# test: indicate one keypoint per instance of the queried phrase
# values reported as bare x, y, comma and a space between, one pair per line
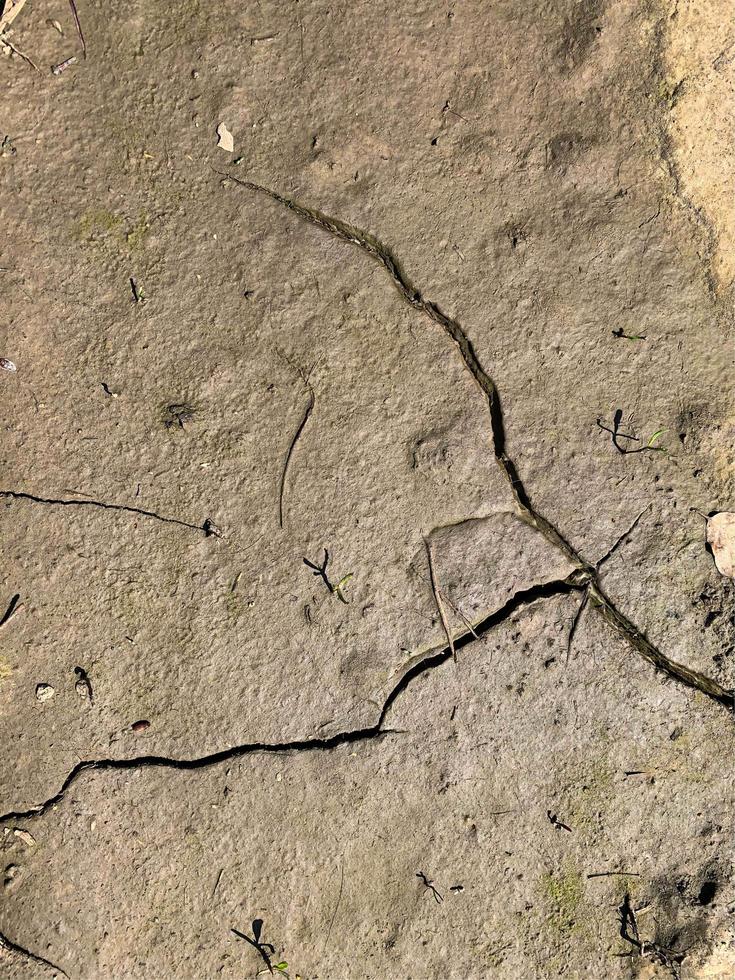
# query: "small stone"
140, 726
44, 692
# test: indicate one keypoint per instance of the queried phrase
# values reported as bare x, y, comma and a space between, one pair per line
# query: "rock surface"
491, 244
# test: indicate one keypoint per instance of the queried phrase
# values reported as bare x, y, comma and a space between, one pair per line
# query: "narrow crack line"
586, 572
378, 251
376, 731
34, 957
685, 675
623, 537
20, 495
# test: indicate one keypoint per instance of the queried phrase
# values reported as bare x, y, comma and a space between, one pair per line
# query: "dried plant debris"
10, 11
721, 539
178, 414
225, 140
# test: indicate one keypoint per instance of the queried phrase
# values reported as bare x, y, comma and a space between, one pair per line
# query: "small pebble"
7, 365
44, 692
140, 726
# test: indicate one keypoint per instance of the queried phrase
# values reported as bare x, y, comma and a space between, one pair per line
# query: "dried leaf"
721, 538
224, 138
28, 839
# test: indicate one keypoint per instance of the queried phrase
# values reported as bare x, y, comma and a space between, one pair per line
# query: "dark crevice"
368, 733
33, 957
374, 248
207, 528
621, 539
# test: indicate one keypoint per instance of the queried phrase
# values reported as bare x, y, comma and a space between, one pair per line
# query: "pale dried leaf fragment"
721, 538
10, 11
28, 839
225, 139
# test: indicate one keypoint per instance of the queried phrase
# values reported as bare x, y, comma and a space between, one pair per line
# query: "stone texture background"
549, 173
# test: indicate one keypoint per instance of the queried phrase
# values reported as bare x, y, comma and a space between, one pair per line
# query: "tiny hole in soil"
707, 892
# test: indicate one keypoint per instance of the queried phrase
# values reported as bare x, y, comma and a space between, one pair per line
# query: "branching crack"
586, 572
207, 528
375, 731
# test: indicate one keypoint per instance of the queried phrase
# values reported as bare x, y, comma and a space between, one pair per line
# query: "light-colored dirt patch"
700, 63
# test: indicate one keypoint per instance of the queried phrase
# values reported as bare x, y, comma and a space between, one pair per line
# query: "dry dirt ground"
463, 233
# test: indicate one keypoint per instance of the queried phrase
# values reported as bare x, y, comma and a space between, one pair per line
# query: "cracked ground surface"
449, 212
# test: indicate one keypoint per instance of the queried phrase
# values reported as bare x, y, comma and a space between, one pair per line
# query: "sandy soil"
453, 246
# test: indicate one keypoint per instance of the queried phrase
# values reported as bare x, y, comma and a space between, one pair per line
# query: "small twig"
137, 295
560, 825
321, 572
617, 434
73, 6
459, 614
627, 921
255, 942
430, 885
336, 908
575, 622
437, 598
263, 37
25, 57
609, 874
216, 884
292, 446
13, 607
10, 11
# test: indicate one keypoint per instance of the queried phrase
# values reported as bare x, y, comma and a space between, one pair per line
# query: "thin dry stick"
20, 54
73, 6
437, 598
575, 621
336, 908
297, 434
10, 12
12, 609
459, 614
